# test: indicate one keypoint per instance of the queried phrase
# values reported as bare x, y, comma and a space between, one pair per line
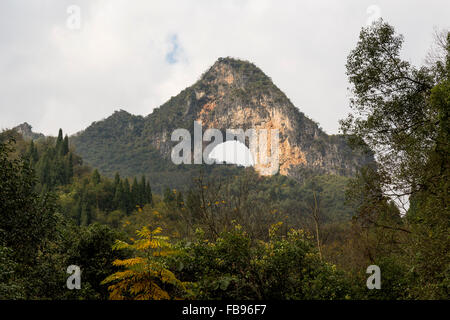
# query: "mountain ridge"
232, 93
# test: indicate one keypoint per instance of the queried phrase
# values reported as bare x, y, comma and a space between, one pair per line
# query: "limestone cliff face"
25, 130
237, 94
232, 94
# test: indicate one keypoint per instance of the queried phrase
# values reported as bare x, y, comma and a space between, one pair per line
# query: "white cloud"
52, 76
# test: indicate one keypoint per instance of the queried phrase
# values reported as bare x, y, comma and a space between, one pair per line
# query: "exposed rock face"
243, 97
236, 94
231, 94
25, 130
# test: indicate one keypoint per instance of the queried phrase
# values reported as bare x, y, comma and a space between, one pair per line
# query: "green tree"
148, 193
69, 168
401, 112
27, 220
65, 145
59, 142
86, 214
32, 152
116, 179
235, 267
93, 253
135, 194
95, 177
127, 197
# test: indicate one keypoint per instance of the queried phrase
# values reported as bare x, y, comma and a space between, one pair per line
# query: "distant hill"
231, 94
25, 130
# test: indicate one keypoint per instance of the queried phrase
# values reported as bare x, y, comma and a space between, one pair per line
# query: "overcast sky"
58, 71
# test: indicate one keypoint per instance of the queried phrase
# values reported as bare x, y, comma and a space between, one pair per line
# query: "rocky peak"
231, 94
25, 130
234, 73
237, 94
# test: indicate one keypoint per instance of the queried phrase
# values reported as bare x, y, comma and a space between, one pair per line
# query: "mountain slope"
231, 94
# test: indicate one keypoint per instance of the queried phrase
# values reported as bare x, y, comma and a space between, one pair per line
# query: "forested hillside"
80, 200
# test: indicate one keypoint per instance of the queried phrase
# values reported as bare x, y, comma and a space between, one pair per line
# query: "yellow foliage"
273, 230
128, 262
144, 277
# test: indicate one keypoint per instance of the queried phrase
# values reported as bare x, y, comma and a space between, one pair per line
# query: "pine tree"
128, 201
118, 201
142, 191
43, 171
69, 168
116, 180
148, 194
32, 153
78, 212
95, 177
135, 194
59, 142
60, 172
65, 145
86, 214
